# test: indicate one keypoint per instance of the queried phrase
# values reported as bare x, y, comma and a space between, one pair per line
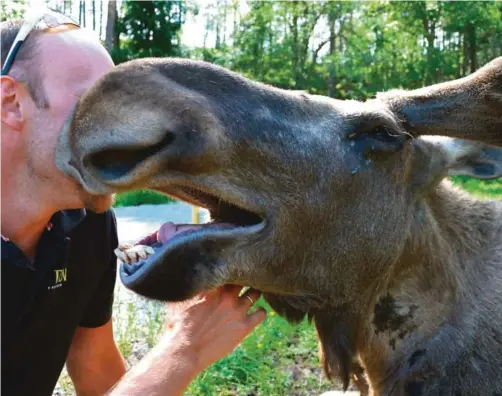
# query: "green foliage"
12, 9
140, 197
355, 49
149, 29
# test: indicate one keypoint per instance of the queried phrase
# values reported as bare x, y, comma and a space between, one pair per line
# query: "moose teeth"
127, 253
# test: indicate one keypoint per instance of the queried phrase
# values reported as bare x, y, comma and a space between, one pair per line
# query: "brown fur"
400, 272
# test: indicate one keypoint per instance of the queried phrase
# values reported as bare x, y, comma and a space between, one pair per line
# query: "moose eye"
384, 135
379, 140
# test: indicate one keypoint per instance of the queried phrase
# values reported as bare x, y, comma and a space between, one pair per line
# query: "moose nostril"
114, 163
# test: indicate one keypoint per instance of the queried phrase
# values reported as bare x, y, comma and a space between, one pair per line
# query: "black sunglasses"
52, 19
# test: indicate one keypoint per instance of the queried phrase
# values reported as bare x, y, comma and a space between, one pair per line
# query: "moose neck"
425, 292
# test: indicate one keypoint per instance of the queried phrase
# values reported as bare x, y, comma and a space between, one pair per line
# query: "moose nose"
113, 163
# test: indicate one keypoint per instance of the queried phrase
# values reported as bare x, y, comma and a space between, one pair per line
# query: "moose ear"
467, 158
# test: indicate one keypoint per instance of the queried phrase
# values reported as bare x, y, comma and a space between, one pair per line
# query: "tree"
93, 15
100, 18
13, 10
111, 41
149, 29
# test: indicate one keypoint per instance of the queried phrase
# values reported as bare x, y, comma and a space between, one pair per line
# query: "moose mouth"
185, 245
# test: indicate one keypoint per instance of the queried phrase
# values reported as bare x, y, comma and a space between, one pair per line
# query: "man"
58, 266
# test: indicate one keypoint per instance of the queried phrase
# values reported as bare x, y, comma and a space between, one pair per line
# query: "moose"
338, 211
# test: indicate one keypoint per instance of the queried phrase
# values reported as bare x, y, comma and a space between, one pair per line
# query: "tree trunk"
115, 30
459, 50
500, 38
295, 59
100, 19
93, 15
332, 51
235, 6
110, 42
465, 60
472, 47
307, 30
225, 7
206, 32
430, 35
218, 22
430, 57
83, 12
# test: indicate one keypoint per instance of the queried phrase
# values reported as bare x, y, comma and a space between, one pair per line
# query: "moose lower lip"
193, 245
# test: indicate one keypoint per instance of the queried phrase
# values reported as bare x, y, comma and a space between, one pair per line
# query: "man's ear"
457, 157
11, 107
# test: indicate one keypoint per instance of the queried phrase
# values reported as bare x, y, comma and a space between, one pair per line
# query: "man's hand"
199, 332
212, 324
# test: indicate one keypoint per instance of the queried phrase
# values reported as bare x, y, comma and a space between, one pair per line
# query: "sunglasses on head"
51, 19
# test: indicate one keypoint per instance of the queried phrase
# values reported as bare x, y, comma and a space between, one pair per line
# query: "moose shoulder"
332, 208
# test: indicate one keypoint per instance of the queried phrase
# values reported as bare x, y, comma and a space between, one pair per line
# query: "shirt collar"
67, 220
64, 220
57, 230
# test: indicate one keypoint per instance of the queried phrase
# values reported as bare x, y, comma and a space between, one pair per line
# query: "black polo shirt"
70, 284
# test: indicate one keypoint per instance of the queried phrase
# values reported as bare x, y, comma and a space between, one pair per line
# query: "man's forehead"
74, 55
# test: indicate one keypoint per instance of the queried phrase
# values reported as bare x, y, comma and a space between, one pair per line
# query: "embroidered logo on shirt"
60, 277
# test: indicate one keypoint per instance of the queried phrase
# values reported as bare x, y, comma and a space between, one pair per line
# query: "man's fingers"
250, 296
256, 318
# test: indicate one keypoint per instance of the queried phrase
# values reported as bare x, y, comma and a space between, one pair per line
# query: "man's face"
71, 62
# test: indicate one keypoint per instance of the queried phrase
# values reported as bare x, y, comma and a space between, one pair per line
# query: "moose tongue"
169, 230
